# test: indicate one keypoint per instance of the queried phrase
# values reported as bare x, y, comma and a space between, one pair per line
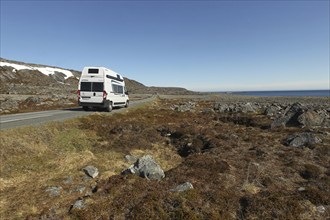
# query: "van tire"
109, 107
86, 108
127, 102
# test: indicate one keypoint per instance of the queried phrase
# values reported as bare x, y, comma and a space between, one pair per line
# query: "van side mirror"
126, 92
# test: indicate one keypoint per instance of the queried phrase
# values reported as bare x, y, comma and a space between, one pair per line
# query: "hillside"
22, 78
30, 87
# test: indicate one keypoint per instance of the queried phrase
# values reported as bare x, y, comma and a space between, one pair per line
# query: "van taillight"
78, 93
105, 94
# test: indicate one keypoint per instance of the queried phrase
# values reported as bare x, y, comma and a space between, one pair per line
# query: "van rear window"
97, 87
93, 71
86, 86
91, 86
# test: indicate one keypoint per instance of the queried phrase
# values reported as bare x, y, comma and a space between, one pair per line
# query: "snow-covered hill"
48, 71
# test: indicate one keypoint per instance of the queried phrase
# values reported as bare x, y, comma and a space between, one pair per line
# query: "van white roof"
106, 70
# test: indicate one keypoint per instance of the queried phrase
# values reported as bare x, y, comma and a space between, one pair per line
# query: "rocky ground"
191, 157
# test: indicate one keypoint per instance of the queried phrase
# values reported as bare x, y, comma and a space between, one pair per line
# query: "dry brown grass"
238, 167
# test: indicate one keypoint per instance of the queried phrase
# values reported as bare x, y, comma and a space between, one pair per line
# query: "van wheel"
85, 108
109, 107
127, 102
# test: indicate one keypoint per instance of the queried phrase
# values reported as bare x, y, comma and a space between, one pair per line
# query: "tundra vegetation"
238, 165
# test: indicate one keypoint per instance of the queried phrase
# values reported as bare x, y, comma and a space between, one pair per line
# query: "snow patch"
44, 70
16, 66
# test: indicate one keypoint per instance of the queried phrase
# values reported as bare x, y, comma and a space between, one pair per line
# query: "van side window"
120, 89
117, 89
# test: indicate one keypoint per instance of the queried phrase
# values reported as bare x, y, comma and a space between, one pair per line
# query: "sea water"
322, 93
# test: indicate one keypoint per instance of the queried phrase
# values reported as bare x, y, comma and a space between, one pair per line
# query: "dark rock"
303, 139
146, 167
54, 190
310, 119
183, 187
91, 171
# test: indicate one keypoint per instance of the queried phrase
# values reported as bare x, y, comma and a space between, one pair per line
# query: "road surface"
34, 118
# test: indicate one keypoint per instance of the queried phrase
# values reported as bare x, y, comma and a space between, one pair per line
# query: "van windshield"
91, 86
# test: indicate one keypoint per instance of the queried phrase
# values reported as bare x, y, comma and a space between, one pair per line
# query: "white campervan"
103, 88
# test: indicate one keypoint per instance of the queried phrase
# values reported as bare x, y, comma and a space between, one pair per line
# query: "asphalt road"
35, 118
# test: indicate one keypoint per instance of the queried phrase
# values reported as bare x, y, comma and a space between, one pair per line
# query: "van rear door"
91, 91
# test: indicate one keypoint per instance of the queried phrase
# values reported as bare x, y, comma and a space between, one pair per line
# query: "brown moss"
238, 169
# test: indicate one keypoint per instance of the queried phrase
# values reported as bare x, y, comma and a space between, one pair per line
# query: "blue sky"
199, 45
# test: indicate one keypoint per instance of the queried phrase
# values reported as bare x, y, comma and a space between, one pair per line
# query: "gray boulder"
303, 139
183, 187
146, 167
91, 171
